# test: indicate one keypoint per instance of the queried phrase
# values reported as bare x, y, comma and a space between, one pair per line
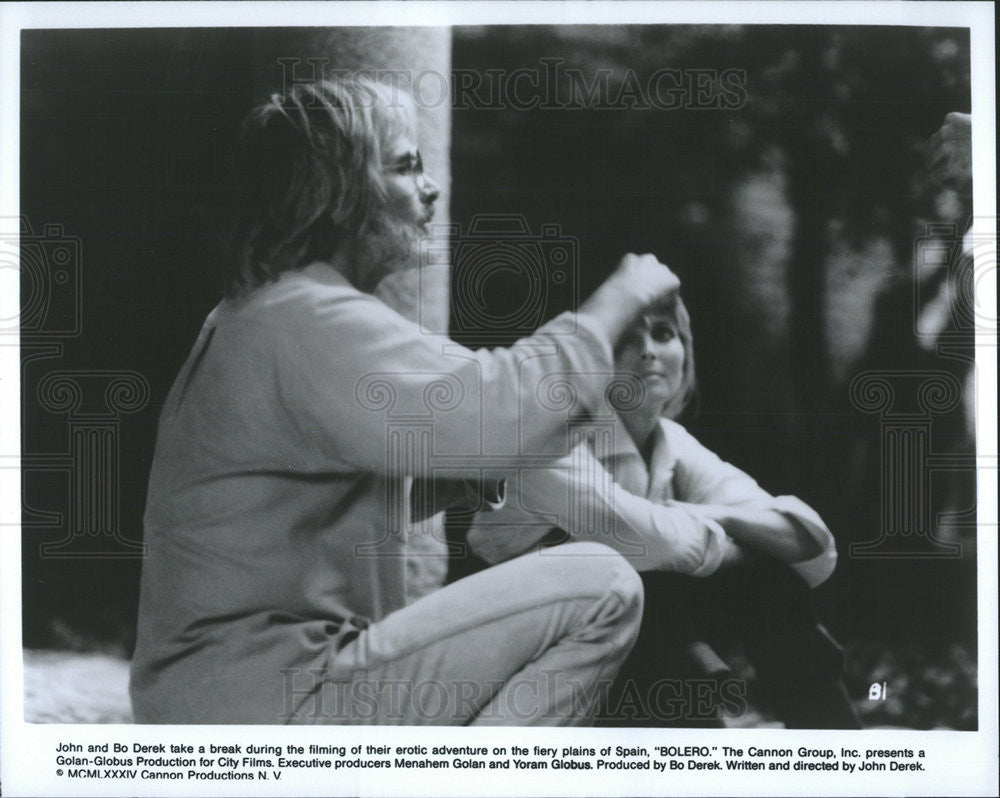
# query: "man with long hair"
285, 582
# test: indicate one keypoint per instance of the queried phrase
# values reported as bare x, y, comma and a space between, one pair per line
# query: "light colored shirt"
278, 503
604, 491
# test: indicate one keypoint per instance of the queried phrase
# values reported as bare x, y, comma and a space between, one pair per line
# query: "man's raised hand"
638, 282
645, 279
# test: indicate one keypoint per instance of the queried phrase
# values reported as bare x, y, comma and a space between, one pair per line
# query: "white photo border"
958, 762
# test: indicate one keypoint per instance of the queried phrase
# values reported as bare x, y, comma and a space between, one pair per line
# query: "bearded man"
281, 584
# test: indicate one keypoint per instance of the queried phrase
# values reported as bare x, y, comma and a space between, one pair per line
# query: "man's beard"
386, 246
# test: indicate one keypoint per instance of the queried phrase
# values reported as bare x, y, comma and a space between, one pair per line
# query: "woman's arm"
782, 527
580, 496
765, 530
577, 494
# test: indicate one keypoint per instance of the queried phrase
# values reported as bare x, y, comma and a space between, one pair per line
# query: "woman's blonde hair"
675, 308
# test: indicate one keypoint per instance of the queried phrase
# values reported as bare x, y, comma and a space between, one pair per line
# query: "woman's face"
653, 351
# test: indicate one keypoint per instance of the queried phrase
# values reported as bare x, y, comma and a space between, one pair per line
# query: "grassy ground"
925, 689
75, 687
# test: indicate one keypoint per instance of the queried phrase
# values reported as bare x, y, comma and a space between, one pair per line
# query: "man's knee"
602, 568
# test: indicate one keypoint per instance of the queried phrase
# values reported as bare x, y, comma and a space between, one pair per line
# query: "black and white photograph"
620, 377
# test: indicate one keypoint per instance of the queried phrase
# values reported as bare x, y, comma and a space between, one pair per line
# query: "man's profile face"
410, 192
392, 242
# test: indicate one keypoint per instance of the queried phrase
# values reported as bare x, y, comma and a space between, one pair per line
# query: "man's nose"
429, 190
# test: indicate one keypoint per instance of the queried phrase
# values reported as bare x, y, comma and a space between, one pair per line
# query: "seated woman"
640, 483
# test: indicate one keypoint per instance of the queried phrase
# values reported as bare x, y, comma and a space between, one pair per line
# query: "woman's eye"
662, 333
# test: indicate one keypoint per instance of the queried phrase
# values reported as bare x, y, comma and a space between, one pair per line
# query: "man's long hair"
309, 175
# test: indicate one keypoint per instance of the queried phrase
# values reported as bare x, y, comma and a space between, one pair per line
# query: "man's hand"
642, 280
949, 152
638, 282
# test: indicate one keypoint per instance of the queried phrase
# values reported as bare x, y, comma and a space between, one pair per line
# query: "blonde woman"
641, 484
